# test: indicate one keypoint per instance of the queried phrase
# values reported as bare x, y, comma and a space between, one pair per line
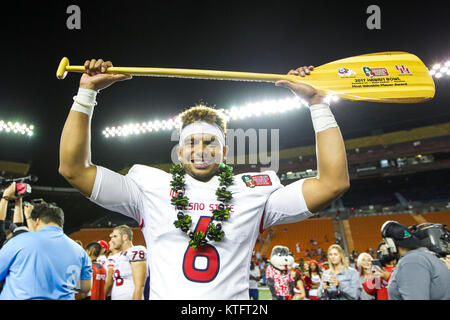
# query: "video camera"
22, 188
434, 236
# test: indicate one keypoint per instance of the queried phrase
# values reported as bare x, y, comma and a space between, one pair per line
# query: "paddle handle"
64, 67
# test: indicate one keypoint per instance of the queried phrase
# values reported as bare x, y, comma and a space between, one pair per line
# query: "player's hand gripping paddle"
394, 77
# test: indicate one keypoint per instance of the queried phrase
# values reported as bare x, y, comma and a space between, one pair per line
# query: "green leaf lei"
222, 213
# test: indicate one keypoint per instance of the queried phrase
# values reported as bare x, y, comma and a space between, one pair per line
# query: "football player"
103, 258
129, 270
97, 292
201, 251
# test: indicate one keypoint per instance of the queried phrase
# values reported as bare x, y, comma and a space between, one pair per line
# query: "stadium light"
256, 109
16, 128
440, 69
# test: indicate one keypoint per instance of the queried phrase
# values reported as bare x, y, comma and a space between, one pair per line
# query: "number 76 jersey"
217, 270
123, 285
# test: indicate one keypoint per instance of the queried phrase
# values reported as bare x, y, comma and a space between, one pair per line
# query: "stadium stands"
302, 232
366, 230
89, 235
438, 217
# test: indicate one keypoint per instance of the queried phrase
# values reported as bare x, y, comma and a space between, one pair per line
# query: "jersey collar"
213, 182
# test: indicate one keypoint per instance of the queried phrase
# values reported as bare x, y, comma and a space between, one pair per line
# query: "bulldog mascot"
278, 273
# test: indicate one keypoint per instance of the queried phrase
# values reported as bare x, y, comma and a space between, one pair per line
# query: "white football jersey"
123, 285
218, 270
111, 260
102, 260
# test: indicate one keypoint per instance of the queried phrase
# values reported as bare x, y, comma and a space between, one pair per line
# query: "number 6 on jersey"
206, 256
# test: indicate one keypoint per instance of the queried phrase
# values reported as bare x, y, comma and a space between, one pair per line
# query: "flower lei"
222, 213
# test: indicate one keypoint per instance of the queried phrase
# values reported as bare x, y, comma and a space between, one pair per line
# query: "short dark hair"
94, 248
48, 213
202, 112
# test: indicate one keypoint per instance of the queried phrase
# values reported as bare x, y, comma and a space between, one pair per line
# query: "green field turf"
264, 293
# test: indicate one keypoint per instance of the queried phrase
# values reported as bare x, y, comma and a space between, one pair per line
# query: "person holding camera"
382, 268
46, 264
365, 268
339, 282
18, 225
11, 229
419, 274
8, 194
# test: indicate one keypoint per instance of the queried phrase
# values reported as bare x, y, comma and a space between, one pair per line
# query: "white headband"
202, 127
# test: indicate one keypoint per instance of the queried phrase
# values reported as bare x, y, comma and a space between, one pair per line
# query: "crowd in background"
94, 270
331, 275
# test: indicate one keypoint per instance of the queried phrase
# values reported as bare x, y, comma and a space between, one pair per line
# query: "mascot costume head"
281, 258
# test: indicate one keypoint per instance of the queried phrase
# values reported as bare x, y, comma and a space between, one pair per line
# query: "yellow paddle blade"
394, 77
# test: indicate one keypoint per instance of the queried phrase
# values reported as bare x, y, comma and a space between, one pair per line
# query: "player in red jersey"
97, 292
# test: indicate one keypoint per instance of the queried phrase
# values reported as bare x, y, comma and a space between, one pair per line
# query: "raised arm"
8, 194
332, 180
18, 212
28, 209
75, 145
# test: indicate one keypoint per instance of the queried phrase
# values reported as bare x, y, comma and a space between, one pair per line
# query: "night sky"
266, 37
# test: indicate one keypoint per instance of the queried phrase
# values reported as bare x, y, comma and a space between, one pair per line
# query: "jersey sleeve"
109, 262
117, 193
286, 205
102, 260
137, 253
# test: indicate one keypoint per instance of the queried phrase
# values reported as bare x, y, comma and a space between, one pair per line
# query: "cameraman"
419, 274
377, 283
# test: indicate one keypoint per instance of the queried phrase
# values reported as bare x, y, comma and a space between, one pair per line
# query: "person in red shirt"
377, 283
99, 273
